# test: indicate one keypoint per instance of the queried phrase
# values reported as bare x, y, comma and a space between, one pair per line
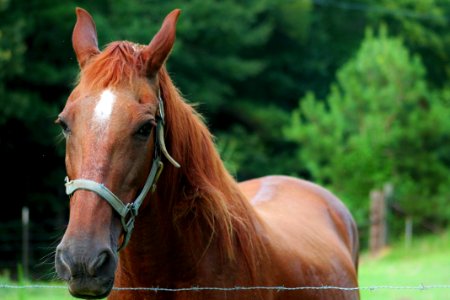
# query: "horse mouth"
90, 287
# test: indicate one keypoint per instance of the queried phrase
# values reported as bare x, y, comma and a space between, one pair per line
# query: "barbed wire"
245, 288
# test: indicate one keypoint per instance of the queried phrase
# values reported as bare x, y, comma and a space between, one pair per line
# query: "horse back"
310, 235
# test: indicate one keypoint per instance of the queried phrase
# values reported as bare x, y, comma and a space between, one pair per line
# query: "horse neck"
199, 212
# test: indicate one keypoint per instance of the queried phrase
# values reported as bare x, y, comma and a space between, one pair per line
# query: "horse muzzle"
89, 273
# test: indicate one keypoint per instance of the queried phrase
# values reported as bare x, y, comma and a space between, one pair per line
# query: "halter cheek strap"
129, 211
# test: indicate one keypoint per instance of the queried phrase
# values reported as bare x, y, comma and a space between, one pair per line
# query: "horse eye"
63, 125
145, 130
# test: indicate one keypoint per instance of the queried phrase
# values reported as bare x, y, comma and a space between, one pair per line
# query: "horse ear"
155, 54
84, 37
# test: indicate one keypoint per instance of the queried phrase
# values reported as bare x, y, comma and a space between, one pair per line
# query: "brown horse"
198, 227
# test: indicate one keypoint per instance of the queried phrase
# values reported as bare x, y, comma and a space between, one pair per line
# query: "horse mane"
210, 193
206, 194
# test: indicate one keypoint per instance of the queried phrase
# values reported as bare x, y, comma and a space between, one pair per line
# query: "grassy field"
427, 262
35, 293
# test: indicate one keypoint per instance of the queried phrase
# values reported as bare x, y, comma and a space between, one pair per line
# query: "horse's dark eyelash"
145, 129
63, 125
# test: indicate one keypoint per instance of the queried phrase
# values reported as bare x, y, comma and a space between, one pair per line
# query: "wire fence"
421, 287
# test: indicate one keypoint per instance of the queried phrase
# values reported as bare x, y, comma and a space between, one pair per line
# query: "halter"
129, 211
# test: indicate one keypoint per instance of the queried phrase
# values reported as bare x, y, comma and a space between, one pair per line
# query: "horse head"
112, 123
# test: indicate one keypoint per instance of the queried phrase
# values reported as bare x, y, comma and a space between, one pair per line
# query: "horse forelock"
120, 62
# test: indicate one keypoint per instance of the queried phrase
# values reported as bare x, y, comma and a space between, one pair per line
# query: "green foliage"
380, 123
11, 43
424, 27
11, 56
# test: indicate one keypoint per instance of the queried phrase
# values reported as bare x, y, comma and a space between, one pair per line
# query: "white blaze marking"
104, 107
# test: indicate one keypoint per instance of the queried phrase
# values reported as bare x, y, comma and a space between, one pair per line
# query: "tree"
296, 57
380, 123
423, 26
12, 48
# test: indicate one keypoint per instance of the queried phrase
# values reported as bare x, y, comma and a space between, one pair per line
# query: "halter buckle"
128, 218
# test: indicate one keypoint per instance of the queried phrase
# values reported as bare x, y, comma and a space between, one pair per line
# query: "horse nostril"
101, 264
62, 264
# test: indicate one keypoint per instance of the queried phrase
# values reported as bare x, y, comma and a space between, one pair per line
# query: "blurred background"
351, 94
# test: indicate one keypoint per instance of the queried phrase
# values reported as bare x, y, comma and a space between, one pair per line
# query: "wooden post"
408, 231
388, 190
25, 241
377, 238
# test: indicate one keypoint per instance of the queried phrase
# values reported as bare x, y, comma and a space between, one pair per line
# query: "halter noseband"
129, 211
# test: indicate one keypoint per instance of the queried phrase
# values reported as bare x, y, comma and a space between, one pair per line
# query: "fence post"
388, 190
377, 237
25, 241
408, 231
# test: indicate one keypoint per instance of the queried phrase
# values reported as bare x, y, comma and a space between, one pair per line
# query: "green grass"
427, 262
33, 293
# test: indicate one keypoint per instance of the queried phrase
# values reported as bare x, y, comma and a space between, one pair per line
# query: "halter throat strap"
129, 211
